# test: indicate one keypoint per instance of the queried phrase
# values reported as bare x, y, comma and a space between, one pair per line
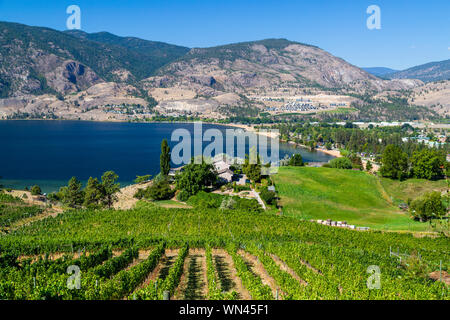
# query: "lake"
49, 153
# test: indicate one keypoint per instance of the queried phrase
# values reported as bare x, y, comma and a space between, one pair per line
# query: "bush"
36, 190
341, 163
296, 160
183, 195
206, 200
157, 191
268, 196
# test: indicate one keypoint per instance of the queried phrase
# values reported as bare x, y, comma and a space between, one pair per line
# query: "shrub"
268, 196
183, 195
36, 190
341, 163
296, 160
157, 191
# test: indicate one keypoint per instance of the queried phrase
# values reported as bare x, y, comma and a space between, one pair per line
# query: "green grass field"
346, 195
400, 191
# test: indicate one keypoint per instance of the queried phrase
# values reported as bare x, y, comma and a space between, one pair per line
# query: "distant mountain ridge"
379, 71
428, 72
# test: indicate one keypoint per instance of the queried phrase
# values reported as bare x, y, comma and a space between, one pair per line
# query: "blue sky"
412, 32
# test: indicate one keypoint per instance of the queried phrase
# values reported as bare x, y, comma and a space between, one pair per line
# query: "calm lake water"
49, 153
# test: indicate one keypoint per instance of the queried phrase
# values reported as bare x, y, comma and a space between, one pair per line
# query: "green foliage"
252, 167
205, 200
183, 195
369, 165
196, 177
36, 190
252, 282
394, 163
428, 164
165, 158
114, 265
296, 160
428, 206
268, 196
109, 188
341, 163
72, 195
159, 190
92, 194
142, 179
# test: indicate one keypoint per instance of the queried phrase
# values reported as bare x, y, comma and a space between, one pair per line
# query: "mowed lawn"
340, 195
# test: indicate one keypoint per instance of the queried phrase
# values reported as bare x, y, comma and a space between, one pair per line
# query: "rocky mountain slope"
261, 65
36, 60
73, 74
433, 71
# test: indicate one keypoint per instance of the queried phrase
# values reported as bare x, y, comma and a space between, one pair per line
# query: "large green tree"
109, 188
92, 193
196, 177
428, 164
428, 206
252, 167
72, 195
164, 159
394, 163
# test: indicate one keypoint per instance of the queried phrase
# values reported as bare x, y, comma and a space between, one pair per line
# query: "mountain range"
44, 69
428, 72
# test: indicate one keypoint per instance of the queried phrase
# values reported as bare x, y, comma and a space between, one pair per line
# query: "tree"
92, 194
252, 167
109, 188
296, 160
72, 195
369, 165
36, 190
164, 159
195, 177
394, 163
341, 163
427, 164
428, 206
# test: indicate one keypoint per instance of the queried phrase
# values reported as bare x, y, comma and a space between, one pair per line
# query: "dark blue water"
49, 153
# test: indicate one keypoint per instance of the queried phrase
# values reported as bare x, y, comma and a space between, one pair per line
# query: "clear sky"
412, 32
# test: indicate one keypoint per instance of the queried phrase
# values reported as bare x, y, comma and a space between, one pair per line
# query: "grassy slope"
400, 191
341, 195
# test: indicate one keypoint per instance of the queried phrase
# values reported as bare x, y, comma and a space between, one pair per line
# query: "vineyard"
154, 253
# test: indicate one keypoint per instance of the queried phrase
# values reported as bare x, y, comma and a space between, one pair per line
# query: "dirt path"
162, 268
143, 254
258, 269
229, 280
195, 283
283, 266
